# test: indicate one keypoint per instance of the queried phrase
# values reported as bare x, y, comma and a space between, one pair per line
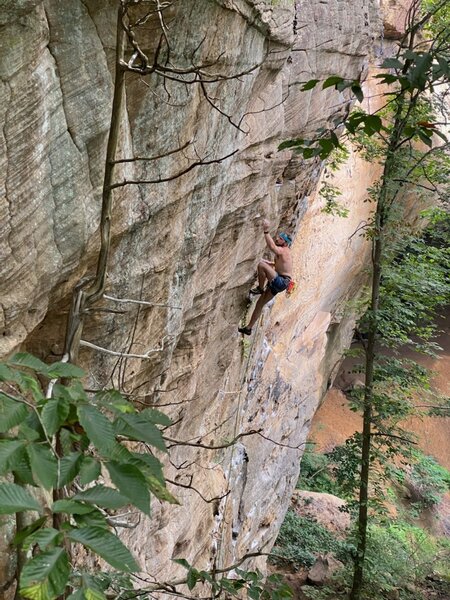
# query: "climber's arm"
269, 241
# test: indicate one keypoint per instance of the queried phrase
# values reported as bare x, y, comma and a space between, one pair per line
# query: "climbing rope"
243, 379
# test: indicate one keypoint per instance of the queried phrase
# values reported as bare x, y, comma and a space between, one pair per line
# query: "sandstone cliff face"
190, 244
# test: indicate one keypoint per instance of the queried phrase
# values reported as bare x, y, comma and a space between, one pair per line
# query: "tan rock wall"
191, 244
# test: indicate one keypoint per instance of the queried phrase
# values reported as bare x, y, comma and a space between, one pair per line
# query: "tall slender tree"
408, 129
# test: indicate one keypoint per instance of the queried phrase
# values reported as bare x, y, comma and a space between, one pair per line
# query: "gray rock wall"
190, 244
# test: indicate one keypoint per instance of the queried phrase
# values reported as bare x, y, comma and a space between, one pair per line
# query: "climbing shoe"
256, 291
245, 330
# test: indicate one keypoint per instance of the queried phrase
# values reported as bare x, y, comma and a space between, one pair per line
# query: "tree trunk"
367, 422
384, 205
83, 298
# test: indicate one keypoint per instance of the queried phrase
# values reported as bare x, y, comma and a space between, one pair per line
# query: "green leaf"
22, 535
28, 383
326, 148
92, 519
106, 545
22, 471
45, 537
11, 454
372, 124
334, 138
12, 413
74, 392
31, 429
441, 135
392, 63
67, 438
404, 83
44, 465
121, 454
93, 594
183, 562
444, 64
100, 582
45, 576
66, 370
14, 498
291, 144
7, 374
343, 85
103, 496
156, 416
191, 579
309, 85
310, 152
54, 414
114, 400
138, 428
98, 428
71, 507
152, 465
356, 89
131, 483
160, 491
23, 359
426, 139
90, 470
331, 81
410, 55
78, 595
205, 576
418, 75
386, 78
69, 467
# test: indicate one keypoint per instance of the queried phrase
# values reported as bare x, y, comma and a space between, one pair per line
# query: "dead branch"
263, 110
209, 100
170, 586
141, 302
174, 176
391, 435
189, 486
122, 354
111, 311
151, 158
280, 443
362, 225
174, 443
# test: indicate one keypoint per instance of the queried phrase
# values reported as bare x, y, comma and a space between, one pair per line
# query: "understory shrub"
428, 480
301, 538
399, 559
315, 472
328, 472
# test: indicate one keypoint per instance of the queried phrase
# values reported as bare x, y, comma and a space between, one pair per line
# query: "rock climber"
278, 274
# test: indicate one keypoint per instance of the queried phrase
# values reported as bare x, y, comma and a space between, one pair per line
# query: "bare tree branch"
171, 177
219, 447
141, 302
151, 158
122, 354
189, 486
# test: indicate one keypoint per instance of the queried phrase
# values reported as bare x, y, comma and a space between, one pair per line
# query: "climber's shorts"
279, 284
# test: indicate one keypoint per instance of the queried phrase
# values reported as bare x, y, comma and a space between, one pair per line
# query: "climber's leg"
265, 273
264, 299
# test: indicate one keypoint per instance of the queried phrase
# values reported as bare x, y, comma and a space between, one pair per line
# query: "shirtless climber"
278, 274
